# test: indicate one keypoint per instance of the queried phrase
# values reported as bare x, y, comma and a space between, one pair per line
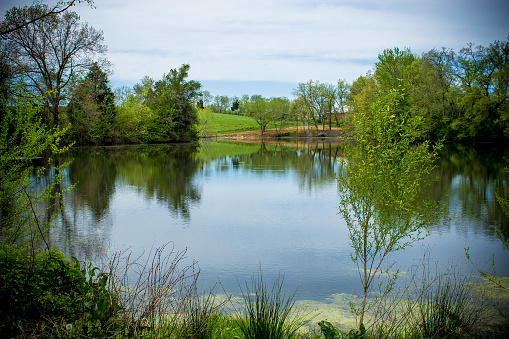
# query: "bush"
46, 294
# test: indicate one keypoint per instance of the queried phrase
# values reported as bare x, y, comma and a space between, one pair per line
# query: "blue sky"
267, 47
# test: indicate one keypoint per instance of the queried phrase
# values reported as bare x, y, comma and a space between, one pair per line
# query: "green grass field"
217, 123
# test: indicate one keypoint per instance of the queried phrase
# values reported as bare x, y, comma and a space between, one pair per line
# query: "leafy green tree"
299, 112
23, 139
342, 95
380, 187
315, 99
91, 110
258, 109
329, 92
243, 101
133, 121
47, 51
361, 99
221, 103
174, 105
206, 97
392, 67
145, 92
432, 92
279, 108
482, 72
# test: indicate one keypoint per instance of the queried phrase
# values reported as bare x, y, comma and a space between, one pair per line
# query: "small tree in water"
384, 173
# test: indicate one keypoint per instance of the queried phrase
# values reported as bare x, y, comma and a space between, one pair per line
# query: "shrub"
50, 295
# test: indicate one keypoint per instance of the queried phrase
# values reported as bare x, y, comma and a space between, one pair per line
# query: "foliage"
41, 292
331, 332
133, 122
258, 109
328, 330
50, 295
266, 111
91, 110
159, 111
174, 106
49, 51
460, 96
24, 214
313, 100
221, 104
320, 101
380, 186
280, 109
267, 313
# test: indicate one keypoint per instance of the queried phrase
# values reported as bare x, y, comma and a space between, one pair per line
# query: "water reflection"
161, 173
166, 174
93, 171
236, 205
470, 177
313, 162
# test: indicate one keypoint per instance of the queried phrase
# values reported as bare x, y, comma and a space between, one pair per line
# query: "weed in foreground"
154, 293
268, 313
448, 311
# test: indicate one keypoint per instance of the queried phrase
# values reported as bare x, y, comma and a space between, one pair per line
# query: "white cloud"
282, 40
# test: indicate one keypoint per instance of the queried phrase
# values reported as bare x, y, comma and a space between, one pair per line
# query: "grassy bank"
217, 123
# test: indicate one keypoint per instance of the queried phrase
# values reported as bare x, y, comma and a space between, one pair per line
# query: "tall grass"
431, 305
267, 313
448, 310
154, 292
202, 317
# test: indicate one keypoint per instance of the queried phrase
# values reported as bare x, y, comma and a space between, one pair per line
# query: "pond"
243, 206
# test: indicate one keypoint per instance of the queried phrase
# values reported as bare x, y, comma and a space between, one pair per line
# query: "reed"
267, 313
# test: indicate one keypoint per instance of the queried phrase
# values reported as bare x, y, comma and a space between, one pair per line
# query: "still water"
238, 207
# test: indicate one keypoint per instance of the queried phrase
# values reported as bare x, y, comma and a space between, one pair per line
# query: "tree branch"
57, 9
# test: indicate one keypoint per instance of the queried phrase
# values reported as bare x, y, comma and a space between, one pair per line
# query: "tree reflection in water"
177, 181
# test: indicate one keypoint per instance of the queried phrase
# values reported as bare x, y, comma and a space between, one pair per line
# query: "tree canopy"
461, 96
48, 51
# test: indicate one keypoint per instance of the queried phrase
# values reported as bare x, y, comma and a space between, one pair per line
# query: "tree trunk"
316, 124
365, 263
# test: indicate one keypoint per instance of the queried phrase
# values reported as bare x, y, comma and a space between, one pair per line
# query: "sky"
267, 47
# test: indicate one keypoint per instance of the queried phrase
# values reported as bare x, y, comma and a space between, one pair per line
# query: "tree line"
49, 54
59, 60
460, 96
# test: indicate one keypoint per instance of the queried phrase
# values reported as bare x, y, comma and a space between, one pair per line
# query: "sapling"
384, 172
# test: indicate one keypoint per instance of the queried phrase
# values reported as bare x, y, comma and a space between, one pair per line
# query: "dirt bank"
287, 132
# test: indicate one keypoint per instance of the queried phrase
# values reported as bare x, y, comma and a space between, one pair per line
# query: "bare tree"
59, 7
48, 50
